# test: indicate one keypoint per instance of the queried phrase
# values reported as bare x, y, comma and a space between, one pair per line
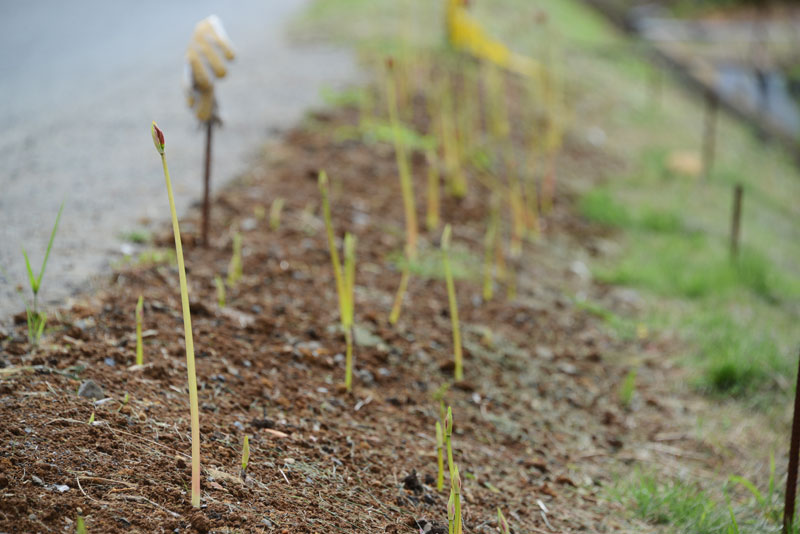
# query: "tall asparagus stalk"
158, 140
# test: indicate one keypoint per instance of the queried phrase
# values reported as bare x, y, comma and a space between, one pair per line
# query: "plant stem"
139, 348
440, 457
451, 296
432, 219
187, 329
401, 291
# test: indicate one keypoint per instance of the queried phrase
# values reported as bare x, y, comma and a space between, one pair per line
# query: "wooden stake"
736, 220
794, 451
207, 183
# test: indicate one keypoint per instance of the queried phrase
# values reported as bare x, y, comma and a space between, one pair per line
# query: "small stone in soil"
411, 482
90, 390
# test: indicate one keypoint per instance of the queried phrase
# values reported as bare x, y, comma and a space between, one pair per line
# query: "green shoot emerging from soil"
502, 524
80, 525
628, 388
347, 321
37, 319
455, 484
451, 296
451, 512
139, 348
235, 265
407, 187
440, 456
275, 213
220, 285
448, 433
245, 456
158, 140
344, 277
432, 217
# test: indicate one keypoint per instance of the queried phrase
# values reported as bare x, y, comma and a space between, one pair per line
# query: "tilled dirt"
539, 429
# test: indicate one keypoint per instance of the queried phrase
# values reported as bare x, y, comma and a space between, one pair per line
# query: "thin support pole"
794, 451
207, 183
736, 220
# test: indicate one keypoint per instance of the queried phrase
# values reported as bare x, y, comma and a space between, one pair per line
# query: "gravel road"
80, 83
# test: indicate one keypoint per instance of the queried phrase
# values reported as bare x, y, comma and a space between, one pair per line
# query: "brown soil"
538, 426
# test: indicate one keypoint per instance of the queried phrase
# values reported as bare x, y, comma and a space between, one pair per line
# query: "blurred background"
81, 83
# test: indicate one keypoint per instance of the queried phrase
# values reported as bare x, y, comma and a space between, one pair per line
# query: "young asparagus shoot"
628, 388
245, 456
37, 319
158, 140
502, 524
220, 285
275, 213
407, 188
139, 348
438, 396
432, 217
80, 525
451, 296
448, 433
235, 265
455, 483
124, 402
90, 422
440, 456
347, 320
451, 512
344, 277
489, 242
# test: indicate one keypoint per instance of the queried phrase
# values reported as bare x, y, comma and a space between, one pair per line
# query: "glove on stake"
204, 62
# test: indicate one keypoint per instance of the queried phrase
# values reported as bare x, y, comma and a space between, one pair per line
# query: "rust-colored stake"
710, 132
207, 183
794, 451
736, 221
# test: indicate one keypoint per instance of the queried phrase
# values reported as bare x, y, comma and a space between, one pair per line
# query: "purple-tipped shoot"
158, 141
502, 524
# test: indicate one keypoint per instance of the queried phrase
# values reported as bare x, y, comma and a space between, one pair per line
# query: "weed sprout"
158, 140
80, 525
37, 319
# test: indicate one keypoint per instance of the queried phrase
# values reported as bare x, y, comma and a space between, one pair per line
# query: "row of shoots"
158, 140
344, 275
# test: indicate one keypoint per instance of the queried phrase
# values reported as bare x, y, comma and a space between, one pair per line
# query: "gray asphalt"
80, 82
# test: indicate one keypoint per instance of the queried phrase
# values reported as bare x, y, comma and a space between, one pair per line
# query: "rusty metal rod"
207, 184
794, 451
